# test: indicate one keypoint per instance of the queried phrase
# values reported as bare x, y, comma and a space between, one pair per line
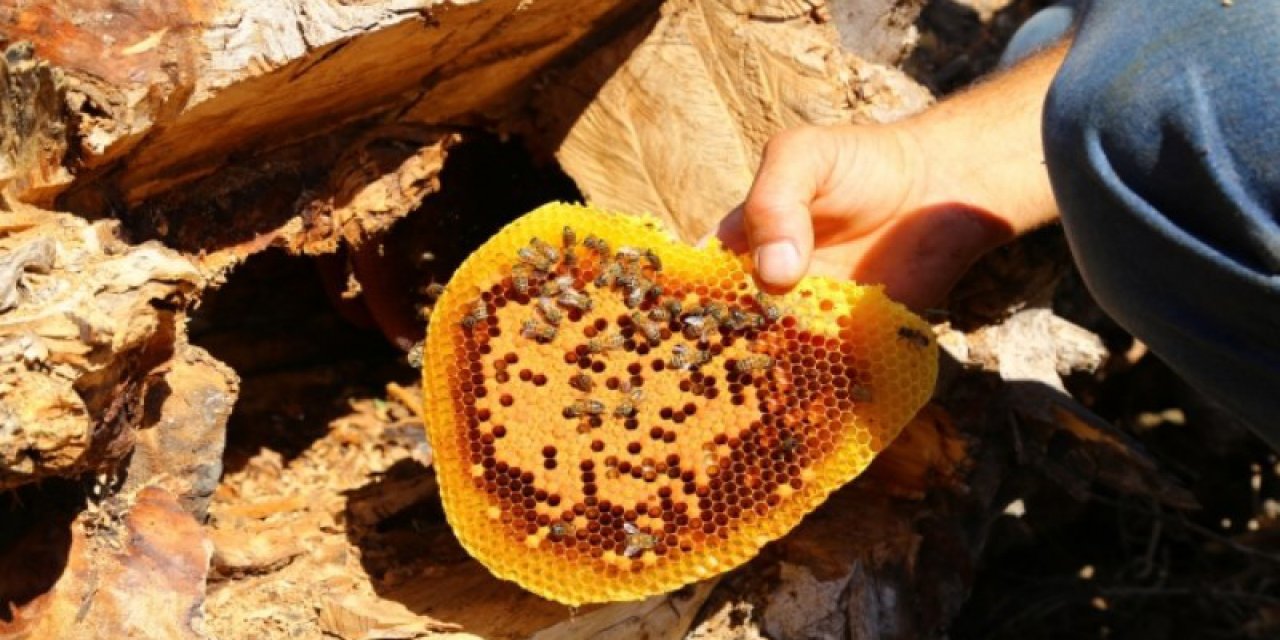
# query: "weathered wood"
135, 569
180, 88
180, 440
671, 118
123, 110
93, 321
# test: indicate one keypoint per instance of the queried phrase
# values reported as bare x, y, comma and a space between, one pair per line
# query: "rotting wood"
86, 338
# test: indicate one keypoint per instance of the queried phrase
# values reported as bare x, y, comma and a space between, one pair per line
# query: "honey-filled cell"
612, 411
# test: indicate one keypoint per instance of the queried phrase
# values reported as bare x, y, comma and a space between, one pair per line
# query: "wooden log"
119, 110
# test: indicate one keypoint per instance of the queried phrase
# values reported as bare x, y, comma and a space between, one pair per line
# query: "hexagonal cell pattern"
615, 414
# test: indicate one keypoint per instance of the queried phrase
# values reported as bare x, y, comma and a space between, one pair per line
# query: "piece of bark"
670, 119
353, 617
136, 569
252, 548
82, 345
309, 197
1031, 351
180, 441
34, 149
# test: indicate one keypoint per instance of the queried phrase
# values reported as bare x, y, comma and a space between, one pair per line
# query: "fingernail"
778, 263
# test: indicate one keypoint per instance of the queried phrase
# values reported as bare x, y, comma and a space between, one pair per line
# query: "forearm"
982, 148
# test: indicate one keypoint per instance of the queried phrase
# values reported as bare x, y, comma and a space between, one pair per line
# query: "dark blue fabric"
1045, 28
1162, 138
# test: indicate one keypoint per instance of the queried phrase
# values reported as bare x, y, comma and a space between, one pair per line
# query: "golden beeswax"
615, 414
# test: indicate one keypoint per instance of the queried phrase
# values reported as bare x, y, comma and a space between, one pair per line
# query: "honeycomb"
615, 414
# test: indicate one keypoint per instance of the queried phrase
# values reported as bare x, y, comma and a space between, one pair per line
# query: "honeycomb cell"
615, 414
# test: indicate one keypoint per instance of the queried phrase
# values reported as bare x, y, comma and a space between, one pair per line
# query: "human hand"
859, 202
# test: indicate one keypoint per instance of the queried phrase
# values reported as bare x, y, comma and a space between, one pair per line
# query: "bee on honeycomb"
556, 475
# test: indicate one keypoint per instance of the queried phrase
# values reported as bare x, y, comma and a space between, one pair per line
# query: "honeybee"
556, 285
771, 311
637, 290
651, 331
549, 311
609, 275
479, 311
587, 407
718, 312
627, 408
534, 259
433, 291
913, 337
575, 300
627, 278
562, 529
608, 343
699, 358
535, 330
628, 254
549, 252
679, 358
582, 382
673, 307
568, 238
637, 541
416, 354
753, 363
654, 260
737, 320
598, 245
520, 278
659, 314
698, 327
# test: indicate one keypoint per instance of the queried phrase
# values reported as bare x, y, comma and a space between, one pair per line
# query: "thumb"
776, 214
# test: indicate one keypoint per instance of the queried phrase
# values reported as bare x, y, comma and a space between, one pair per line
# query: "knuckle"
791, 139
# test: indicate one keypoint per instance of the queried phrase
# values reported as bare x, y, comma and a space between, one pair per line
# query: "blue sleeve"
1162, 139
